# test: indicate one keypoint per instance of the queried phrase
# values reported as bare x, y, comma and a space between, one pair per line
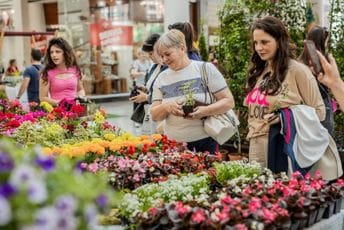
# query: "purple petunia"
45, 162
81, 166
6, 162
7, 190
102, 201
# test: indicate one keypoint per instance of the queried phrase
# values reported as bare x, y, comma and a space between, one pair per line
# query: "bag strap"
204, 76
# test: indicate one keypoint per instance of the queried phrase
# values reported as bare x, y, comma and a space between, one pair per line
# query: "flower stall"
88, 173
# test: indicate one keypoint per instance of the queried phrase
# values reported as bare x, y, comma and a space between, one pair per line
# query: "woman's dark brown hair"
187, 29
68, 54
285, 51
318, 35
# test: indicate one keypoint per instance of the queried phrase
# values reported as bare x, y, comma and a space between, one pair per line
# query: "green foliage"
229, 170
309, 14
188, 91
203, 47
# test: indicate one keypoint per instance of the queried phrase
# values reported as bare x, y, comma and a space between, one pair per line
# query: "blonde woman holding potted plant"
169, 94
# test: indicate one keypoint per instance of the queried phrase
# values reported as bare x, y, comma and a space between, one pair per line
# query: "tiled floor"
120, 110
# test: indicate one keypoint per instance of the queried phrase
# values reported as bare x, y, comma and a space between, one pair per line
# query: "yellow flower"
109, 136
45, 105
99, 118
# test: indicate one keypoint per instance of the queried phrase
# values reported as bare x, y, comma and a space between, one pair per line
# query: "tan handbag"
223, 126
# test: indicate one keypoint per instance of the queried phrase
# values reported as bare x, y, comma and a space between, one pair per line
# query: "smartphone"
313, 56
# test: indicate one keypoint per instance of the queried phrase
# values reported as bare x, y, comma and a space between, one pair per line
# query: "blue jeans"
206, 144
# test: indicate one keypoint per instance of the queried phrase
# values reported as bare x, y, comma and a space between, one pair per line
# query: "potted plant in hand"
189, 101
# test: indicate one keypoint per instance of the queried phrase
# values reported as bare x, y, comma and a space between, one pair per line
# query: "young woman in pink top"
61, 76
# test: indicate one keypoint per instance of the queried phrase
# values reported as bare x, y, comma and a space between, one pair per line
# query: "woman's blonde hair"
171, 39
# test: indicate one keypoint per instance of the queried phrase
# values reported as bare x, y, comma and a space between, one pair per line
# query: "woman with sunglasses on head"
319, 35
61, 75
275, 81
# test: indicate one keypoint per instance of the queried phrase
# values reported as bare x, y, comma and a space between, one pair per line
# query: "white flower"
66, 222
37, 192
5, 211
66, 204
46, 218
23, 175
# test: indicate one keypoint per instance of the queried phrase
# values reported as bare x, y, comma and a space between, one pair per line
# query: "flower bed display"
261, 201
165, 185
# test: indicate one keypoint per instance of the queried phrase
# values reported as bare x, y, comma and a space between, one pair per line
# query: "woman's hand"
141, 97
199, 112
174, 108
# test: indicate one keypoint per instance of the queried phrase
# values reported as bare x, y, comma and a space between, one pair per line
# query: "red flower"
153, 211
13, 124
77, 108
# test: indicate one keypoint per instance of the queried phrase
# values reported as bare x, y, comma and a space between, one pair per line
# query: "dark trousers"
207, 144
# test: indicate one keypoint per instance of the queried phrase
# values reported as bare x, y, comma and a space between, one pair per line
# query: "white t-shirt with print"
168, 88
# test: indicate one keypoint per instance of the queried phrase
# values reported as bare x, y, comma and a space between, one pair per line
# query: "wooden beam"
26, 33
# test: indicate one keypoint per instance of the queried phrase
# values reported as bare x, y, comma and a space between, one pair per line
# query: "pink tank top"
63, 83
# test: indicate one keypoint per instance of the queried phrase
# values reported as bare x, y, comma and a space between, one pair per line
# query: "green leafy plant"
188, 91
203, 46
227, 171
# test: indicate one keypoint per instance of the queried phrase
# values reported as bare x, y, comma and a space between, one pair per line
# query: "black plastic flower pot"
187, 109
312, 216
338, 205
320, 213
295, 225
329, 210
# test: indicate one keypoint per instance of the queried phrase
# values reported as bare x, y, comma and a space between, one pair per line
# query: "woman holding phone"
331, 78
317, 39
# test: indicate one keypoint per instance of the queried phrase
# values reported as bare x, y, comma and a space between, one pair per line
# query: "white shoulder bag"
220, 127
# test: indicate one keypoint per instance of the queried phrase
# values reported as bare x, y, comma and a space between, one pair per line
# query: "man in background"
31, 78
